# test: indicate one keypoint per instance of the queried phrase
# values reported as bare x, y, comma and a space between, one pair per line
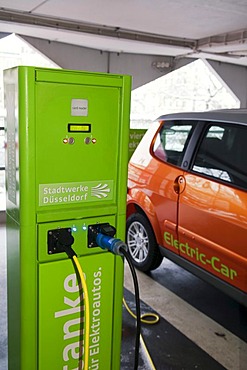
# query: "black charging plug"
61, 240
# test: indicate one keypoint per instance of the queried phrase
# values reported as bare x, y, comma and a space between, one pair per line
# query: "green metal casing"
66, 166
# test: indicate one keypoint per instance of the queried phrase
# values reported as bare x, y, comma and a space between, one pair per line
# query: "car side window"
222, 154
171, 141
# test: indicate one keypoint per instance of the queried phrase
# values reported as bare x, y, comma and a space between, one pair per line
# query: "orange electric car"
187, 197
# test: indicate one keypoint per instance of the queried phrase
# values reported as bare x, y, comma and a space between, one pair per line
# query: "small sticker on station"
79, 107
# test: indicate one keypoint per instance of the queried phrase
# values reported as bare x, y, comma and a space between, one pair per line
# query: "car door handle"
179, 184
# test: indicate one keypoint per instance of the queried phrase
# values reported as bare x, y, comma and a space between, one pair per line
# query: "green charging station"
66, 169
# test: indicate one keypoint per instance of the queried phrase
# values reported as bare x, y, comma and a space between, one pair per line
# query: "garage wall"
70, 56
235, 77
138, 66
75, 57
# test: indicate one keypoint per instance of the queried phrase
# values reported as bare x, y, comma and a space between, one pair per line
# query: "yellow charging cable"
145, 321
86, 312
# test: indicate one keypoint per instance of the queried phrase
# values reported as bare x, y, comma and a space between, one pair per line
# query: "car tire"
142, 246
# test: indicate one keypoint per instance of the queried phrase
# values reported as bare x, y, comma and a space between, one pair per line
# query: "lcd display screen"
79, 127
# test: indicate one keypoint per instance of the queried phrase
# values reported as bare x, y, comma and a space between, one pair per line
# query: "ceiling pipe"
27, 18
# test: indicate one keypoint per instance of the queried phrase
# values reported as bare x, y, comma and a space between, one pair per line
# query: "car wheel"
142, 246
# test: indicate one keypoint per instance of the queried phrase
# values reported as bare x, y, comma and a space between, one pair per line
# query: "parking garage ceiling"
212, 29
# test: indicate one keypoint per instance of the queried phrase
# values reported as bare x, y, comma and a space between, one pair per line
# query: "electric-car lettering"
186, 201
195, 254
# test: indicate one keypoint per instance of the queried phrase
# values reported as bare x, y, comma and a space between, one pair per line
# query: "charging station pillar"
66, 168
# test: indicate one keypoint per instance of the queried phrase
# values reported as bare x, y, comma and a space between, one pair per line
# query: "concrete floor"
187, 337
199, 327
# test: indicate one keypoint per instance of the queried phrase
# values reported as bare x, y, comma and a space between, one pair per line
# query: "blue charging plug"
112, 244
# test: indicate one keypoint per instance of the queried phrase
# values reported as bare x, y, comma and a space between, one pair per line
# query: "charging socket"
94, 230
58, 239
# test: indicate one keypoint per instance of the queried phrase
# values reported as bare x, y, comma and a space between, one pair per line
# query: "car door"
212, 212
168, 149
